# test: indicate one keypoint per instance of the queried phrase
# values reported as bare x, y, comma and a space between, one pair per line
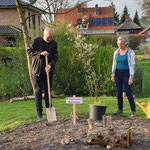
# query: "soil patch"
44, 136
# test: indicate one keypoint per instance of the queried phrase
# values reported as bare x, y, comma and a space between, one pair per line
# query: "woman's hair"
124, 39
47, 30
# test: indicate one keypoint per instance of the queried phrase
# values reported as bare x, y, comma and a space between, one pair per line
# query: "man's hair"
48, 30
124, 39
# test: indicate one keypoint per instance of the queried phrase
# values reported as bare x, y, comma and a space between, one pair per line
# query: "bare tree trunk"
21, 13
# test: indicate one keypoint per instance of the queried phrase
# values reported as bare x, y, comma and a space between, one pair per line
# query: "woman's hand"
130, 82
113, 79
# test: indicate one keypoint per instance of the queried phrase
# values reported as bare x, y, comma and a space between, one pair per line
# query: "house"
145, 35
128, 27
98, 20
7, 33
10, 22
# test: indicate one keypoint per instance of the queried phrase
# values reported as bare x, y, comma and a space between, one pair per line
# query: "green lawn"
17, 113
146, 65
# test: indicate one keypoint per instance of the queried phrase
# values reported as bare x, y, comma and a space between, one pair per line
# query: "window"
135, 31
79, 21
86, 11
131, 31
29, 20
33, 21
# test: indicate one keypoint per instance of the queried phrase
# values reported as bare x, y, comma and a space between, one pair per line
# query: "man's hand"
48, 68
45, 53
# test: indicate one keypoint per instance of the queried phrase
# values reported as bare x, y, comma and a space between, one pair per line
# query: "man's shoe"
39, 115
118, 112
133, 114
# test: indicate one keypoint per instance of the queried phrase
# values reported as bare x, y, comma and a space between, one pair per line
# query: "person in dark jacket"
38, 49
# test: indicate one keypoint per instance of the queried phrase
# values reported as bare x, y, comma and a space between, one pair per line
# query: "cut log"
30, 97
108, 133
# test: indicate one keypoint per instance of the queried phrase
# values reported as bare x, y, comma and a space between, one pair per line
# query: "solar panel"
104, 21
92, 22
101, 21
98, 21
110, 20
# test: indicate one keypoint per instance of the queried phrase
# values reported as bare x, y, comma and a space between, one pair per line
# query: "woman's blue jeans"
121, 79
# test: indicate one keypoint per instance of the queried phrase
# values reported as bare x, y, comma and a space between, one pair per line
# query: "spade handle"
48, 84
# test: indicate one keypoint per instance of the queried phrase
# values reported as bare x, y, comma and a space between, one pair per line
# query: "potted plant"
96, 110
85, 55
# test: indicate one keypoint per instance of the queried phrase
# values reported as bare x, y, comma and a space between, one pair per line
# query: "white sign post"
74, 100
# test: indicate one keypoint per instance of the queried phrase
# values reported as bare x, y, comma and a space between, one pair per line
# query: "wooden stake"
104, 121
74, 112
90, 123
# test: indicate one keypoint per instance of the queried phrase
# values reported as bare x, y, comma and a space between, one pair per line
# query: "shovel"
51, 114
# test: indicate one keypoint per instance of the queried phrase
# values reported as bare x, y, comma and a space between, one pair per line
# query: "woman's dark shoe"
118, 112
133, 114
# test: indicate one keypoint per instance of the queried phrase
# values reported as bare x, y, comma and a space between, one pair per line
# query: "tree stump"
108, 133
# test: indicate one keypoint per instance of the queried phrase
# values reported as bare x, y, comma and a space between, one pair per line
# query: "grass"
139, 57
17, 113
145, 64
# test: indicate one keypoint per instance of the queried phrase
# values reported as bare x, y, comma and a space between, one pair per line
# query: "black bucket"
96, 112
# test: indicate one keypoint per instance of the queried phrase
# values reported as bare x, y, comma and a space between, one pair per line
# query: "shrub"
14, 77
68, 77
69, 73
137, 85
134, 41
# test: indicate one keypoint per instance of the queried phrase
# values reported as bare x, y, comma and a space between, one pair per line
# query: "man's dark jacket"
37, 60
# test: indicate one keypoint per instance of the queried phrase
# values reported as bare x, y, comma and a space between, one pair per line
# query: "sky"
132, 5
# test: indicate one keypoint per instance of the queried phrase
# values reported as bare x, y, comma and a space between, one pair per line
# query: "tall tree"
146, 11
21, 13
124, 14
116, 15
52, 6
136, 18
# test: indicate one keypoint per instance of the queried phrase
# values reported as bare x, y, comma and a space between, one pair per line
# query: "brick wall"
9, 17
73, 15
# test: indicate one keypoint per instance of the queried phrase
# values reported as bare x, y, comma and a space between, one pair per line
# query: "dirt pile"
62, 135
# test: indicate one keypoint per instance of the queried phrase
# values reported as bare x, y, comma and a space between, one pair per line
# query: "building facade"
9, 18
128, 27
98, 20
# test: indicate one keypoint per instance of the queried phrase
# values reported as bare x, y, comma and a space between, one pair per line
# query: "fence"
141, 85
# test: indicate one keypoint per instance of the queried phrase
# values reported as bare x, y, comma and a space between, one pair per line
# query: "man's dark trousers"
40, 82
